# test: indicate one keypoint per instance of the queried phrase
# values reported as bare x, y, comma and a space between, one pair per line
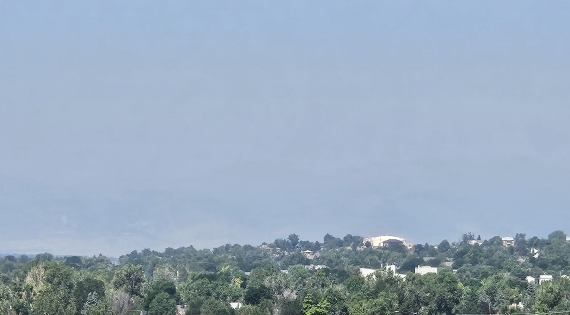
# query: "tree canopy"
481, 277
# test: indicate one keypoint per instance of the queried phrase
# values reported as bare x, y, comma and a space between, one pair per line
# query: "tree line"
280, 277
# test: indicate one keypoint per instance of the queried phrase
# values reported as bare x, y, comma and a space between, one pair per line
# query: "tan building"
385, 240
508, 241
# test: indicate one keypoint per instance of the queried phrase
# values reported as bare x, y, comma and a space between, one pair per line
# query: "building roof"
366, 271
379, 240
235, 305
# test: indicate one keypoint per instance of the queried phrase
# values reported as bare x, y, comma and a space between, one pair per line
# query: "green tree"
549, 296
410, 264
157, 287
85, 287
379, 305
254, 294
442, 292
54, 300
312, 307
354, 284
6, 298
292, 259
443, 247
557, 235
467, 237
293, 239
250, 310
469, 303
94, 306
129, 278
54, 287
499, 291
335, 296
291, 307
496, 241
213, 307
162, 304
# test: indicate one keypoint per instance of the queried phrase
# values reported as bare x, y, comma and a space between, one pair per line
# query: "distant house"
475, 242
236, 305
309, 254
265, 246
365, 272
508, 241
385, 240
422, 270
530, 279
391, 268
543, 278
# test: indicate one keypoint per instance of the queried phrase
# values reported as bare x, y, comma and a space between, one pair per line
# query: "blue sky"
144, 124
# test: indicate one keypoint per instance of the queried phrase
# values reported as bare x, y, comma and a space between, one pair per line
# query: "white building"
508, 241
309, 254
530, 279
543, 278
401, 276
391, 268
422, 270
365, 272
385, 240
236, 305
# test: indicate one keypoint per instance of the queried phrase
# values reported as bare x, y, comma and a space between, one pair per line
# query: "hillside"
293, 276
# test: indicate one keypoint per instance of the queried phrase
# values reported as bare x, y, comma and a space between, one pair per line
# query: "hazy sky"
150, 124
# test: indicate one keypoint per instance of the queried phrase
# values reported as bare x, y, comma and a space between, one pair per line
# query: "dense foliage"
282, 277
